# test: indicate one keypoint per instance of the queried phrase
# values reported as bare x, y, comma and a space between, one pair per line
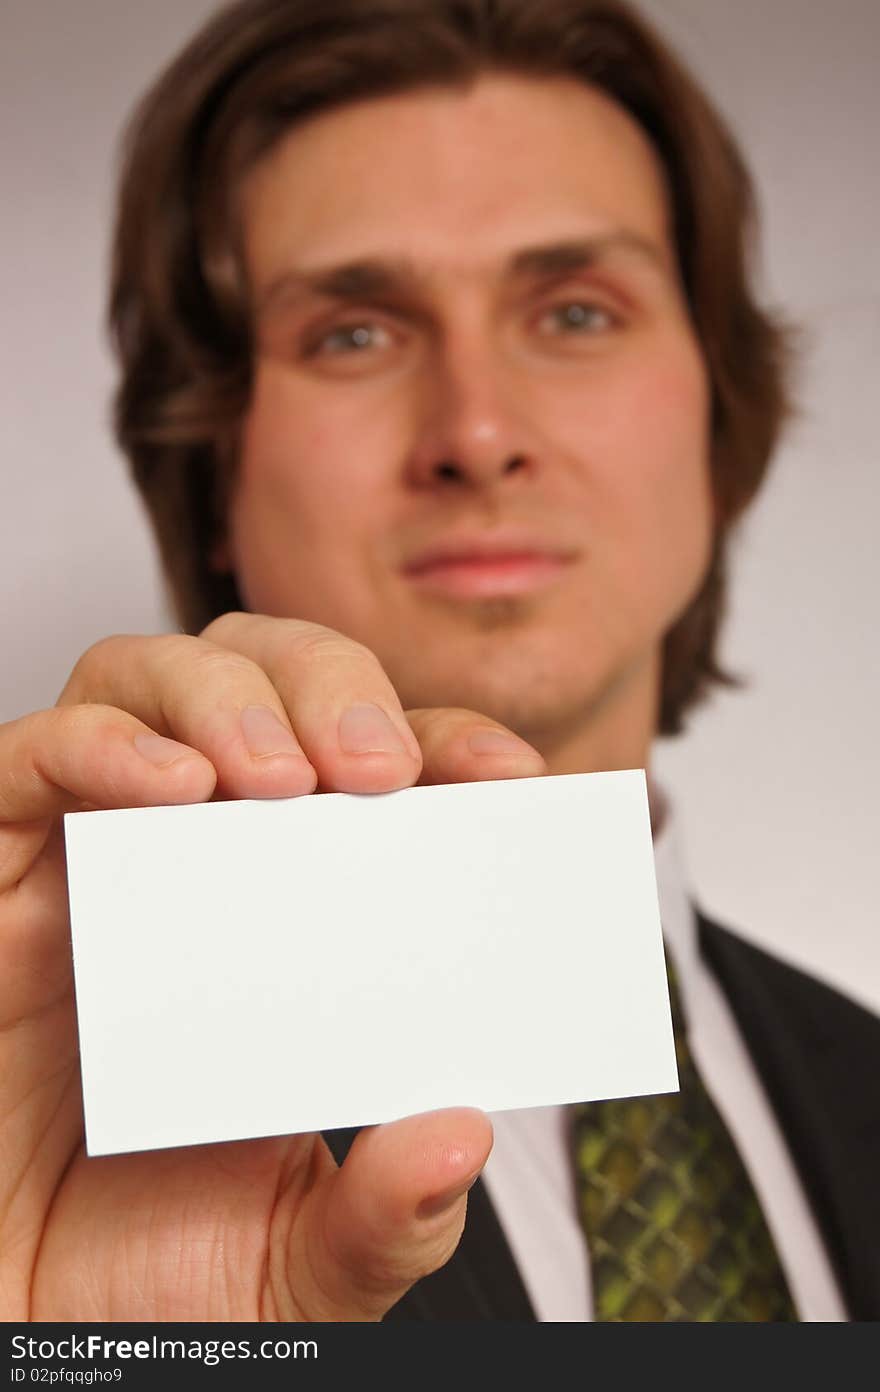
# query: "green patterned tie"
674, 1226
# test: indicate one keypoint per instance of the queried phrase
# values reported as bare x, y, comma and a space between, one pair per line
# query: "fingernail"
160, 750
440, 1203
488, 741
264, 734
365, 729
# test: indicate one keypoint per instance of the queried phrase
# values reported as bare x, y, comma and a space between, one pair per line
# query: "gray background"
776, 786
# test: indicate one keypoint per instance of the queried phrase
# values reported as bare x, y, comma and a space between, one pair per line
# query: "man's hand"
257, 1230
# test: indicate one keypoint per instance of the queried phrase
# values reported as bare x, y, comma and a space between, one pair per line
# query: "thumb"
393, 1213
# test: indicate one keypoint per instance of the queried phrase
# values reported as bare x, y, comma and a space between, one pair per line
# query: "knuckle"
98, 658
212, 663
297, 641
95, 671
84, 717
73, 723
225, 627
180, 657
314, 643
168, 651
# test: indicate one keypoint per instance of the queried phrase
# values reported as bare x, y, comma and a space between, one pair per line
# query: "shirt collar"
677, 916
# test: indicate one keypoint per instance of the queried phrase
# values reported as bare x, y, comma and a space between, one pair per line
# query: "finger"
460, 746
392, 1214
58, 760
340, 702
212, 699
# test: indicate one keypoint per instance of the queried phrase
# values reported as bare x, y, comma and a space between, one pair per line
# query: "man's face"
478, 436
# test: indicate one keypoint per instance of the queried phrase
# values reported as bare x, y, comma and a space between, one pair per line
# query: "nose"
469, 429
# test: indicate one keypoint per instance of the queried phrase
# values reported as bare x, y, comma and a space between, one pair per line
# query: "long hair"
178, 309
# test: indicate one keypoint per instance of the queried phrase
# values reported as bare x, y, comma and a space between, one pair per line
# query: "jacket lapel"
817, 1054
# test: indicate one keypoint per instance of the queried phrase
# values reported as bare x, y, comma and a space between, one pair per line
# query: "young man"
444, 386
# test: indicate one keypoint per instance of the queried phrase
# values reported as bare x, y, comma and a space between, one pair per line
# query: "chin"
561, 686
528, 693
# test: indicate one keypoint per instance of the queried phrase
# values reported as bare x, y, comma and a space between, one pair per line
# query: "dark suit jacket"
817, 1054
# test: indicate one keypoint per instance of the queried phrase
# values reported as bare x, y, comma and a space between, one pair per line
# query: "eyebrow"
375, 277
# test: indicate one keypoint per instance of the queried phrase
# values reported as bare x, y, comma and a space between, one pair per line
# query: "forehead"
453, 179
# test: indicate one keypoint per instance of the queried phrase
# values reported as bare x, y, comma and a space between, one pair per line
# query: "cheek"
290, 453
666, 491
668, 449
643, 432
304, 494
307, 465
662, 479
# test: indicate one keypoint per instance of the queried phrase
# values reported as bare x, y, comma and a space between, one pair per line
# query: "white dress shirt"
529, 1173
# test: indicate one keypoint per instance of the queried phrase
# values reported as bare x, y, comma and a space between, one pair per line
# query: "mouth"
487, 569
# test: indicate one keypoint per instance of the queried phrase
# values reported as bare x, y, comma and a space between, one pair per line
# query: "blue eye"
578, 316
351, 338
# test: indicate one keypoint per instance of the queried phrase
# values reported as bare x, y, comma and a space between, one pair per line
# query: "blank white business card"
259, 968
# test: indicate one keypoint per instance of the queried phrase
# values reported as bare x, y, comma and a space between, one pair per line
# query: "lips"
489, 565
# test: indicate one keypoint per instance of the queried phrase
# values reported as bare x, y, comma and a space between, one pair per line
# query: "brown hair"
178, 309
